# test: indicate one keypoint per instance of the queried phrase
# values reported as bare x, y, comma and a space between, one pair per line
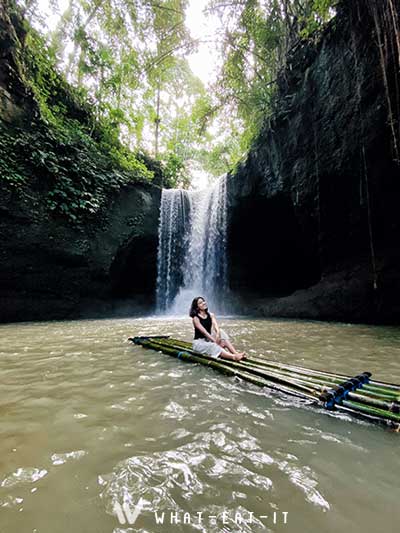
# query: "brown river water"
90, 423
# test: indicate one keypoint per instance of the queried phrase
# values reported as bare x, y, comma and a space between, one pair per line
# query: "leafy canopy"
129, 58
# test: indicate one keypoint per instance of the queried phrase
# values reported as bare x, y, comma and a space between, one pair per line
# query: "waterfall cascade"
192, 249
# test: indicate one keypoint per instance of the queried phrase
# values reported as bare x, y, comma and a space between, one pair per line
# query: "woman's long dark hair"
193, 308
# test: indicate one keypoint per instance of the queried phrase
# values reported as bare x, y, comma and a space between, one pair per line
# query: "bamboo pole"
371, 404
392, 387
226, 368
317, 385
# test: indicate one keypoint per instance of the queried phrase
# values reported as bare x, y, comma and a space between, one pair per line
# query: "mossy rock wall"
72, 221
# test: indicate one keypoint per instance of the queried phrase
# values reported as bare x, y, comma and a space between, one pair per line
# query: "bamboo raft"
360, 396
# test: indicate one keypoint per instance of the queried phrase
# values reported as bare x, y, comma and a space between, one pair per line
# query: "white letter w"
125, 514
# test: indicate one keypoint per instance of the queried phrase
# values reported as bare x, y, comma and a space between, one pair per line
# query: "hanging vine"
385, 15
364, 168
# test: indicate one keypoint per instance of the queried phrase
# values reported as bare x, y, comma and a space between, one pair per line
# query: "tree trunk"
157, 121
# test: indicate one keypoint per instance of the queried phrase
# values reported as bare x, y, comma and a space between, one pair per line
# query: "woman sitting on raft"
209, 339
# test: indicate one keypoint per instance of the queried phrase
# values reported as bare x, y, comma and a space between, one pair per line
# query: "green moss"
74, 175
11, 171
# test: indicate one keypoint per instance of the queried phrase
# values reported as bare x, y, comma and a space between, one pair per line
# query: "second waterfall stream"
192, 240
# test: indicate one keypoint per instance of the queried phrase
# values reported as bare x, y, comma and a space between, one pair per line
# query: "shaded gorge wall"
313, 216
52, 270
263, 252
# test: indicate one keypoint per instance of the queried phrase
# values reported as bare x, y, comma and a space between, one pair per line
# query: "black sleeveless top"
206, 323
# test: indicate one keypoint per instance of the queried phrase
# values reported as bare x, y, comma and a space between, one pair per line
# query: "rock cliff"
314, 221
50, 269
51, 266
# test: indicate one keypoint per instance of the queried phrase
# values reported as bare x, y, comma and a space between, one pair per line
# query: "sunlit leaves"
259, 34
129, 56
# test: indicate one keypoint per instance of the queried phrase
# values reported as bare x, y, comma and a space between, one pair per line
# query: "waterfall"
192, 249
172, 242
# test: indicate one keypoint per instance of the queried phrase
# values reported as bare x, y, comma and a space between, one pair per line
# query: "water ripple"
103, 421
23, 475
62, 458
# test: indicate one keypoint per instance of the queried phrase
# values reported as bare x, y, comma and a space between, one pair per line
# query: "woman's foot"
239, 356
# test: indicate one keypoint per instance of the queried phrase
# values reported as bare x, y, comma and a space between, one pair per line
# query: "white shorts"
208, 347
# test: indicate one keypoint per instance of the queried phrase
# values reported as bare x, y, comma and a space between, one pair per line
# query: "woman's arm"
215, 326
197, 324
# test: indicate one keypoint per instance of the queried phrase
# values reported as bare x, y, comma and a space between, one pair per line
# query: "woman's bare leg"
232, 356
229, 345
231, 348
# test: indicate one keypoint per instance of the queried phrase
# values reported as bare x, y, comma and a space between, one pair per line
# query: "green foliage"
175, 172
127, 57
258, 38
224, 152
11, 170
75, 176
313, 20
153, 165
131, 85
75, 158
58, 102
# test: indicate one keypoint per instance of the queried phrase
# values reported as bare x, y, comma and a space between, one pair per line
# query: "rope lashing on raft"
338, 393
394, 407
